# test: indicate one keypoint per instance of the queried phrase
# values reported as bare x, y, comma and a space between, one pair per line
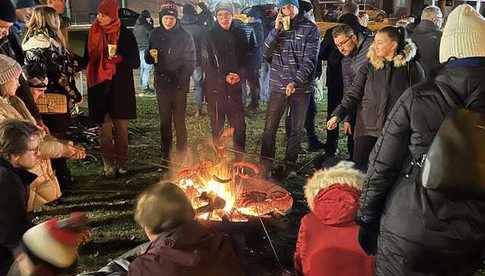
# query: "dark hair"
397, 34
350, 7
342, 30
15, 136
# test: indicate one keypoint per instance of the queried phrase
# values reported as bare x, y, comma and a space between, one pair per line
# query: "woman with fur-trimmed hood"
327, 241
391, 70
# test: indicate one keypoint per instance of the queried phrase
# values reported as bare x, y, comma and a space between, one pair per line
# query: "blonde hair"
45, 20
163, 206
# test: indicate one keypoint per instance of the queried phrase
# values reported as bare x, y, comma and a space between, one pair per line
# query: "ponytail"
397, 34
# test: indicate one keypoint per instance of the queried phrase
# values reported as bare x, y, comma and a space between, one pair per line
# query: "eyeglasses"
35, 150
340, 45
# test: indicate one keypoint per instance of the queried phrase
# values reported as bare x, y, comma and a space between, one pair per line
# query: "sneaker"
122, 171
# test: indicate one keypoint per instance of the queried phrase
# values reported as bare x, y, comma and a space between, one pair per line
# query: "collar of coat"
342, 174
401, 59
25, 176
41, 41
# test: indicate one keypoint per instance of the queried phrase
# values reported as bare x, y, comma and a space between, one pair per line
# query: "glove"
368, 239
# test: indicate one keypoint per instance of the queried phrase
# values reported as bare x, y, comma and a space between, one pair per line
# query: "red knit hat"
109, 8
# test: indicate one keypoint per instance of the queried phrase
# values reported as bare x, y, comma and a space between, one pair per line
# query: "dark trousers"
362, 148
297, 105
334, 97
58, 125
254, 89
222, 104
6, 260
172, 107
310, 120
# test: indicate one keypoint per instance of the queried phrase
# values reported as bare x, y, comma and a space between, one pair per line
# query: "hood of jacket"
466, 80
184, 240
424, 27
401, 59
333, 194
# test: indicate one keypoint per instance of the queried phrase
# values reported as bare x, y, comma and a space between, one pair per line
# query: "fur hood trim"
41, 41
406, 55
341, 174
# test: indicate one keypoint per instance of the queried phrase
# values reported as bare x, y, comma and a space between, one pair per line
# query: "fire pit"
231, 191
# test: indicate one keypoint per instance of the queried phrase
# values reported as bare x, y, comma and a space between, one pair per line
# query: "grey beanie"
9, 69
225, 5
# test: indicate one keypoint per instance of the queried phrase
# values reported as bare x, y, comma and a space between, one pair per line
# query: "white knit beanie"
463, 35
9, 69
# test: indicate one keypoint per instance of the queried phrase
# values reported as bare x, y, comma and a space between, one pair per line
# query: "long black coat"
116, 96
427, 37
420, 229
14, 220
376, 88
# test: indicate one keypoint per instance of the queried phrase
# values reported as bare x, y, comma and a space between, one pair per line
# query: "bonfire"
220, 189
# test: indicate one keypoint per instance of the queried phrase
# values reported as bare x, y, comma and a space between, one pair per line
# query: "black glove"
368, 239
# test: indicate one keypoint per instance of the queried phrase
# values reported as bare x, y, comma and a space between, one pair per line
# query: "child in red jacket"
327, 242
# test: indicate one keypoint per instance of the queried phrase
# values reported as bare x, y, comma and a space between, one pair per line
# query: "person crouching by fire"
179, 245
327, 241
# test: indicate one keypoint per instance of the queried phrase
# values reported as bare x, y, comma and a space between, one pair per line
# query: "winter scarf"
99, 68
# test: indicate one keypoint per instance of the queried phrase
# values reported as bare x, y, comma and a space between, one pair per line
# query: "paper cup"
154, 54
112, 50
286, 22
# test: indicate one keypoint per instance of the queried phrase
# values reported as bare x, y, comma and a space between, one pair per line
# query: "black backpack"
455, 161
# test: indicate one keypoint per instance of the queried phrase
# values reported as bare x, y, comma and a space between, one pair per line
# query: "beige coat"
45, 187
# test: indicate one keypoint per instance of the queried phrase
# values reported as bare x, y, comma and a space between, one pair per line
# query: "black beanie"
168, 8
7, 11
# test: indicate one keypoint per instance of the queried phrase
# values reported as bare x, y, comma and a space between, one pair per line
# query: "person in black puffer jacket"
174, 65
224, 61
420, 231
376, 88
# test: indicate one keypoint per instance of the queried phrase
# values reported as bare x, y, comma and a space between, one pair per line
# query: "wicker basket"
52, 103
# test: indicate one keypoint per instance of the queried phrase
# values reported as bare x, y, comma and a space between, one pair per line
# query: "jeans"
277, 106
145, 70
172, 107
222, 104
264, 82
196, 80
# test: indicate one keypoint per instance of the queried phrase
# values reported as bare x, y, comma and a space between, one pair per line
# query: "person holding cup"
291, 49
111, 54
172, 50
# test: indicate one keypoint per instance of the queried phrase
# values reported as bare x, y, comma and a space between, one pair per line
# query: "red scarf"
99, 68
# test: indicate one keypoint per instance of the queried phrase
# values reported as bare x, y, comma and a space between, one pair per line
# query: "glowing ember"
223, 191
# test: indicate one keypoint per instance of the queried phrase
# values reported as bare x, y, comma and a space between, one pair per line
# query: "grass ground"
109, 202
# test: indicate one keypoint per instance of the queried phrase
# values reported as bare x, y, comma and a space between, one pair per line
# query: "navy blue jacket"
293, 55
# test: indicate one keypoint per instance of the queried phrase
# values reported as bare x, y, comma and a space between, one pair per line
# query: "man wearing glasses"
354, 47
427, 37
19, 151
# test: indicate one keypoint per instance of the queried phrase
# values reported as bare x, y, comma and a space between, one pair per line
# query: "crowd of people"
392, 89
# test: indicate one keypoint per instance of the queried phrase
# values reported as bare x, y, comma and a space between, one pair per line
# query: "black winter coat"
14, 220
377, 87
190, 24
142, 32
116, 96
176, 58
448, 234
427, 37
223, 52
